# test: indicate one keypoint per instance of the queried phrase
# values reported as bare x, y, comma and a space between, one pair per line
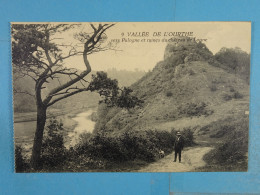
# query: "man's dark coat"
179, 143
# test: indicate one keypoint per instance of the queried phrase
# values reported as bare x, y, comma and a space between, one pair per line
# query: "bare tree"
36, 55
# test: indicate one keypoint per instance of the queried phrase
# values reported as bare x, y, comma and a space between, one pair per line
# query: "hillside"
190, 90
184, 90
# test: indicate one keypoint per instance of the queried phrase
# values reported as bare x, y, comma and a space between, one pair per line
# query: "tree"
235, 60
38, 54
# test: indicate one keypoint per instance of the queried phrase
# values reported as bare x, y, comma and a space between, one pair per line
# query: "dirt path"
191, 158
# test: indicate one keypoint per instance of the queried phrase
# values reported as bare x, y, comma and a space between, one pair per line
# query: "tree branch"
23, 92
65, 96
89, 45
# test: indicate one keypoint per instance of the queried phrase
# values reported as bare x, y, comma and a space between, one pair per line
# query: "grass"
231, 145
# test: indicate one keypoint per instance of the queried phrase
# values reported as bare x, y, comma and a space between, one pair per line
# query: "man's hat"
178, 133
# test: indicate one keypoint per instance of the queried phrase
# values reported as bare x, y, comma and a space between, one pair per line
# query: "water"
24, 131
84, 125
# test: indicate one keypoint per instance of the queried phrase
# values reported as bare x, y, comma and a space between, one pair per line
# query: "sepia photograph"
131, 96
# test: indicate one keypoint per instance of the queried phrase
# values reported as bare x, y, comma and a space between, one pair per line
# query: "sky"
145, 55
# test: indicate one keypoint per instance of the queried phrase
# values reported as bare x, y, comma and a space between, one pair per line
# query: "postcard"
131, 96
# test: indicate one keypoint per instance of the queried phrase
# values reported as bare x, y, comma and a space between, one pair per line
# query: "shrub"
53, 149
213, 87
105, 114
195, 109
174, 60
187, 134
20, 163
227, 97
191, 72
231, 152
237, 95
221, 130
169, 94
234, 60
128, 146
232, 89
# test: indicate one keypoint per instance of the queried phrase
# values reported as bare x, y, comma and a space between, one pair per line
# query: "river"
24, 131
84, 125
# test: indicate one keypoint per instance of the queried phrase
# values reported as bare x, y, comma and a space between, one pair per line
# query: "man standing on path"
178, 146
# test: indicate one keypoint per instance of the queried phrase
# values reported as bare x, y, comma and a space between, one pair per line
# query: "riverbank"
24, 129
83, 124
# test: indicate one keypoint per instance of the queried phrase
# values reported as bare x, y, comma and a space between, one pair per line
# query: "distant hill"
26, 103
189, 88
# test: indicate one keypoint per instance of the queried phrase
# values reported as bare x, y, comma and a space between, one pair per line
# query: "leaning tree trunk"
37, 144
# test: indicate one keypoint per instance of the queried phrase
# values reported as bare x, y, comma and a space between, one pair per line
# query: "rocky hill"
189, 88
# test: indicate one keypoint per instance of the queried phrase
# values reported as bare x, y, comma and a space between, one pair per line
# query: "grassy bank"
230, 154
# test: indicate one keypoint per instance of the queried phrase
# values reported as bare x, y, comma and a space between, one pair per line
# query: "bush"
231, 152
237, 95
234, 60
169, 94
194, 109
129, 146
213, 87
187, 134
227, 97
219, 128
174, 60
20, 163
53, 149
191, 72
231, 89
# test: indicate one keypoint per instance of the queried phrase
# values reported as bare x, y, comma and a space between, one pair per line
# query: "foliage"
232, 95
113, 95
219, 128
20, 162
227, 96
129, 145
53, 149
194, 109
237, 95
213, 87
234, 60
232, 151
187, 134
169, 94
187, 51
191, 72
105, 114
36, 55
174, 60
